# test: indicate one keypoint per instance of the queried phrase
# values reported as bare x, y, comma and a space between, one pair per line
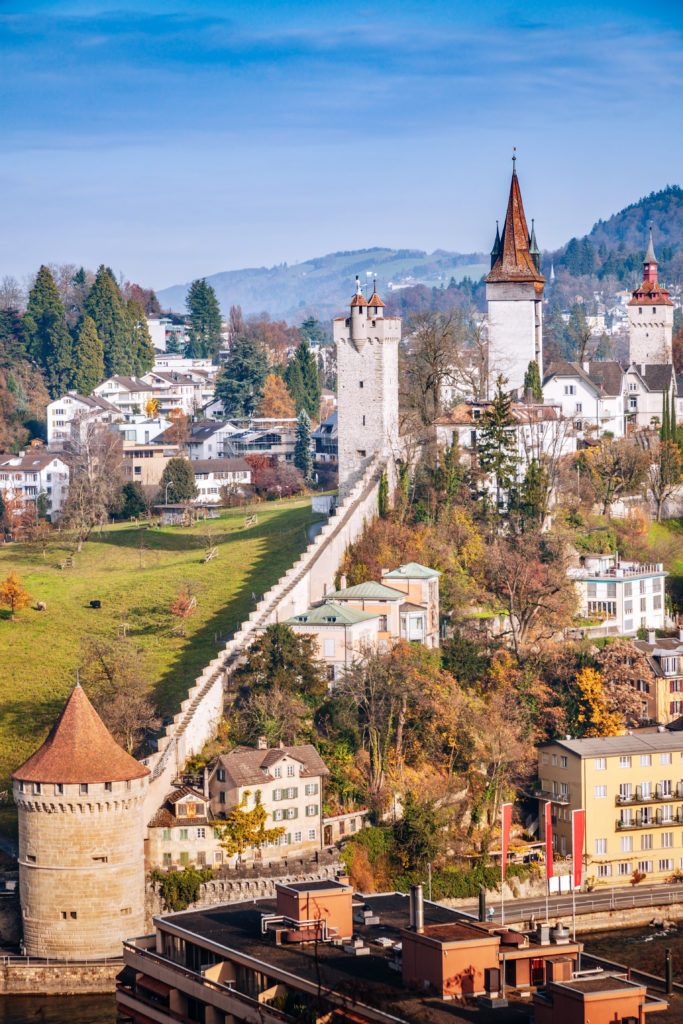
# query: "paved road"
586, 903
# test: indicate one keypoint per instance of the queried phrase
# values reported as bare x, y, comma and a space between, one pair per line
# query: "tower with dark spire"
514, 294
367, 385
650, 316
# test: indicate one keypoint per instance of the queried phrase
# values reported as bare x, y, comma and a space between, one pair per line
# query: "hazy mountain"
324, 286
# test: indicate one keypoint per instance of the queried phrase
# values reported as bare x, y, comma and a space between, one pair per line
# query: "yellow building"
631, 788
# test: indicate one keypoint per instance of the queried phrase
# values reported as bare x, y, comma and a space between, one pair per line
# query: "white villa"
623, 596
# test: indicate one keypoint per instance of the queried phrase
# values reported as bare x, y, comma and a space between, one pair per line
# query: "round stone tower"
81, 833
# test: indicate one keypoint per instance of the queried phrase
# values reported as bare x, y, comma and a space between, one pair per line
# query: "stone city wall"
37, 978
307, 581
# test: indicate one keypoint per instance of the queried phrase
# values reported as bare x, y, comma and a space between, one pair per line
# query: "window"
563, 762
277, 774
384, 626
666, 865
555, 759
291, 793
201, 833
328, 647
37, 788
645, 790
278, 814
167, 860
220, 774
292, 812
297, 837
545, 759
221, 797
624, 869
100, 859
665, 787
579, 407
604, 870
646, 842
312, 833
645, 760
108, 787
570, 389
277, 794
667, 840
290, 769
166, 835
627, 844
311, 789
83, 788
59, 788
360, 383
644, 866
600, 792
643, 604
626, 816
600, 764
311, 810
184, 858
364, 421
184, 833
625, 762
600, 846
665, 759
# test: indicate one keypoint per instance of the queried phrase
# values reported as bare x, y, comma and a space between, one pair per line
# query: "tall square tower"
514, 293
650, 317
367, 385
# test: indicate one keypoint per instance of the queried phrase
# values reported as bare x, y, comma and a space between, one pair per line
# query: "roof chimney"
680, 632
342, 581
417, 909
262, 743
651, 636
586, 366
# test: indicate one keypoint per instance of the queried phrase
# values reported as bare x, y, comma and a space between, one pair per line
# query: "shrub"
181, 888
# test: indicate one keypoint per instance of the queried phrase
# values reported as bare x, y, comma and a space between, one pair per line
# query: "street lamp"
169, 484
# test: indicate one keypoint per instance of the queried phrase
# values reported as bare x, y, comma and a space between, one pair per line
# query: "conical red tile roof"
80, 748
375, 300
514, 262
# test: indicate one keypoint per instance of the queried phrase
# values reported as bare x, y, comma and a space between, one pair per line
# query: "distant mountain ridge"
322, 286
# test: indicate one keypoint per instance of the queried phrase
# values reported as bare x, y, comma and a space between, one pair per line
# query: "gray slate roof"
613, 746
244, 766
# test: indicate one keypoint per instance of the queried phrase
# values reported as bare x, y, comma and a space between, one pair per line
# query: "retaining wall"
36, 978
307, 581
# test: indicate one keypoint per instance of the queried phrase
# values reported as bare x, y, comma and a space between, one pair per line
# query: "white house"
622, 597
175, 390
64, 412
128, 394
162, 329
211, 475
141, 429
589, 394
646, 386
542, 432
208, 439
33, 472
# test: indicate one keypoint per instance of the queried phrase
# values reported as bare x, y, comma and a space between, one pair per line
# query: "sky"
172, 140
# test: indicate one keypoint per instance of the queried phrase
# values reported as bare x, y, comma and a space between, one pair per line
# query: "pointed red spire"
514, 262
650, 290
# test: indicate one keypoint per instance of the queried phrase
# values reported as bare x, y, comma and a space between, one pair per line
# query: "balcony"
656, 797
656, 820
555, 798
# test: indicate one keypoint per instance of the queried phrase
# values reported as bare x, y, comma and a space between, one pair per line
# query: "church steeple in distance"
495, 252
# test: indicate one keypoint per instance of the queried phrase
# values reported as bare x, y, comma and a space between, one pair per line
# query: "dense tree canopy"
241, 381
205, 320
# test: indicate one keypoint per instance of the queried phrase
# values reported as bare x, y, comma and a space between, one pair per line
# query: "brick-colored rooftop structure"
514, 261
79, 749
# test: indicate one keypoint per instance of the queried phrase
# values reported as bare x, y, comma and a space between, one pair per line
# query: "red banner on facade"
507, 822
578, 836
548, 841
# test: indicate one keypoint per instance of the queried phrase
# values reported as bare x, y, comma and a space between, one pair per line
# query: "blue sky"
172, 140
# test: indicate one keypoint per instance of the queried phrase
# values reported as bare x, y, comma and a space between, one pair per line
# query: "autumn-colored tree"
615, 469
623, 666
663, 475
594, 714
245, 828
179, 431
276, 401
184, 604
115, 676
14, 595
151, 408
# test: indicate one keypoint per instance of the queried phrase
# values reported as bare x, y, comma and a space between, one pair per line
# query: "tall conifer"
107, 308
47, 337
141, 343
303, 457
205, 320
88, 358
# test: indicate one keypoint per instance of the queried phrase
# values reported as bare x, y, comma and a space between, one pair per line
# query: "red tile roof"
652, 293
514, 261
374, 299
80, 748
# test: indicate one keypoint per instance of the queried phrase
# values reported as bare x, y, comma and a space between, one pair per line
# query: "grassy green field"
135, 574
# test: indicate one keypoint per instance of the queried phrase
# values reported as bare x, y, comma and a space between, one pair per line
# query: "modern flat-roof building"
621, 597
631, 788
318, 951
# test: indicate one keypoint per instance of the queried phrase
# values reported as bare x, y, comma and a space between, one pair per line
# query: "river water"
644, 948
58, 1009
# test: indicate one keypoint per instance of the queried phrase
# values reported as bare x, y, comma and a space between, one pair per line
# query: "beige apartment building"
145, 463
420, 614
342, 634
631, 788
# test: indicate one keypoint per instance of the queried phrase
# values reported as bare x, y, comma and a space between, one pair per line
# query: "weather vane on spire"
514, 159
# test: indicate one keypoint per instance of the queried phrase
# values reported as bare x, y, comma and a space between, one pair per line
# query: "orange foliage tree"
276, 401
14, 595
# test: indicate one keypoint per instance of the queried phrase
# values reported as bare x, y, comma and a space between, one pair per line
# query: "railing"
651, 798
606, 901
656, 822
555, 798
52, 961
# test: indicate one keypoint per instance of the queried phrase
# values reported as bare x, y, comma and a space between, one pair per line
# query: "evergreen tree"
497, 444
107, 308
308, 397
179, 475
239, 385
532, 381
673, 429
295, 384
88, 358
303, 458
535, 493
312, 330
47, 337
664, 430
141, 344
205, 320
